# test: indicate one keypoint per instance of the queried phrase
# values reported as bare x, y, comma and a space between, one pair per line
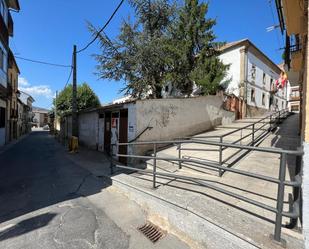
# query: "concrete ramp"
212, 218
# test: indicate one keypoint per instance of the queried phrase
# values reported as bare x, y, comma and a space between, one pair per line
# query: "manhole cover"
152, 232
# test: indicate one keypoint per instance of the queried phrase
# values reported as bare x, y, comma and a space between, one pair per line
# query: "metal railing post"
220, 156
270, 122
179, 156
252, 134
280, 198
154, 165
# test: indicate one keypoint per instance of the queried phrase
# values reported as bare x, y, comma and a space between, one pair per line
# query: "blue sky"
46, 30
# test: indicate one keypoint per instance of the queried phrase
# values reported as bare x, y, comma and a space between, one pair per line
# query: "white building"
252, 75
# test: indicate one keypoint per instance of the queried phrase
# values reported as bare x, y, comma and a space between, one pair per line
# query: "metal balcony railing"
271, 120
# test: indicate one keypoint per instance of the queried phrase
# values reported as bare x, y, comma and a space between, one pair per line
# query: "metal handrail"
296, 184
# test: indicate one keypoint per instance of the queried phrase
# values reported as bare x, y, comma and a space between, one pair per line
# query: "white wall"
232, 57
88, 129
174, 118
260, 87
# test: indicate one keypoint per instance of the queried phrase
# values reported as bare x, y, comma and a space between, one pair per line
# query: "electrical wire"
105, 25
274, 21
41, 62
70, 74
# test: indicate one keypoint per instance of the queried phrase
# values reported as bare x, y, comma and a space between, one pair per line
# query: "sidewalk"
212, 219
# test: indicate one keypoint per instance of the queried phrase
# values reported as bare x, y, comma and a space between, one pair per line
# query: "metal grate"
152, 232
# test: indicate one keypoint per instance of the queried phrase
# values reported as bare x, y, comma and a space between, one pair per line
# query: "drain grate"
152, 232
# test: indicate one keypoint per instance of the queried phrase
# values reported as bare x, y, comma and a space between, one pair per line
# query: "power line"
70, 74
274, 21
98, 33
41, 62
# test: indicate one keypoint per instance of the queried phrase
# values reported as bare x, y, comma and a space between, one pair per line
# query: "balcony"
294, 16
4, 33
10, 25
296, 56
294, 98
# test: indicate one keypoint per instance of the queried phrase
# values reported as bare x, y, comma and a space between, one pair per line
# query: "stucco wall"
88, 129
174, 118
260, 87
232, 57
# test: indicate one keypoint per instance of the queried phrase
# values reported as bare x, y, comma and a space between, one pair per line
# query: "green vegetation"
86, 98
166, 43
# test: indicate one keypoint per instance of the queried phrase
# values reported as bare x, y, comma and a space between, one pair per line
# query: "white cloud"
23, 82
38, 90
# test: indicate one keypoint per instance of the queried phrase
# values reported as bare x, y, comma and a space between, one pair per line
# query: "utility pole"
74, 97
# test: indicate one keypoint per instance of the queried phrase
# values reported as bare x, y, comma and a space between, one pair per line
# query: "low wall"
175, 118
253, 111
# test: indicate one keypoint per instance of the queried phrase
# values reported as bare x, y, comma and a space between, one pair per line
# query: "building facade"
294, 98
13, 94
25, 114
6, 30
294, 24
40, 117
252, 77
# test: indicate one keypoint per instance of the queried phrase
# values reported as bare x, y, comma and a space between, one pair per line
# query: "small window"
263, 99
264, 78
271, 82
253, 72
166, 89
252, 95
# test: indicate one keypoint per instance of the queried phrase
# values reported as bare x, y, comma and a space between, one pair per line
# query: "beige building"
293, 17
40, 117
12, 103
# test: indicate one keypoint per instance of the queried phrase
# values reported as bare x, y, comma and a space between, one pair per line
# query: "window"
253, 72
2, 117
264, 78
263, 99
166, 88
252, 95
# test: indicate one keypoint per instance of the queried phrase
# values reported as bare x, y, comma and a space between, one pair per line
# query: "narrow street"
44, 203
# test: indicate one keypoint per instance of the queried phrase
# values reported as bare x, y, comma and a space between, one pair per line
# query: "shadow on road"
37, 173
27, 226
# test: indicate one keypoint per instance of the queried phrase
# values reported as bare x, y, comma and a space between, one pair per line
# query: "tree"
86, 98
194, 52
165, 44
138, 53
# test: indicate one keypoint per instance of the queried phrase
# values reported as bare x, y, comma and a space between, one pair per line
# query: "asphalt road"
41, 205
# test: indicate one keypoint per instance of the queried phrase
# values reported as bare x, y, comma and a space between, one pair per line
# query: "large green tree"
194, 51
138, 53
165, 44
86, 98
